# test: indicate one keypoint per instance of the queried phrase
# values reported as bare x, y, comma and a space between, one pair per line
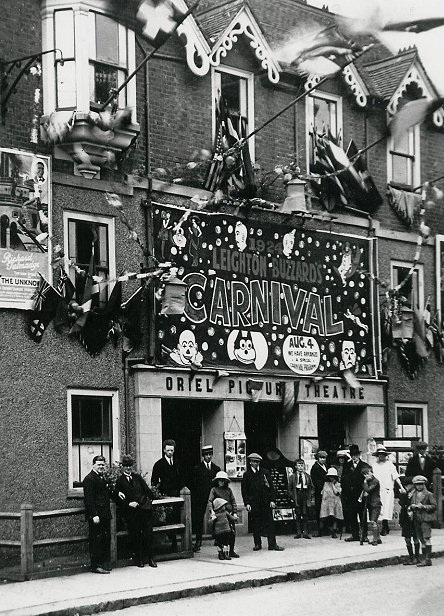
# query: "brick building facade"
143, 396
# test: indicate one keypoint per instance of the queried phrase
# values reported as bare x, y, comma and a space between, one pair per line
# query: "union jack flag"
46, 300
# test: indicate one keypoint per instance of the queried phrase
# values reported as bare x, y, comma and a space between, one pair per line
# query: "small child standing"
423, 507
406, 522
301, 491
372, 499
331, 505
222, 521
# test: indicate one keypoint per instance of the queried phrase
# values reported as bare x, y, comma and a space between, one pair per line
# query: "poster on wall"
25, 212
308, 447
263, 297
235, 454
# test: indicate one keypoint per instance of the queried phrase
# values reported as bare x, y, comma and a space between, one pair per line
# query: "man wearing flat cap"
259, 500
202, 480
421, 463
318, 473
136, 498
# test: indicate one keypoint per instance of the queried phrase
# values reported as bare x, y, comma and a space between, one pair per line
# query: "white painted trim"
415, 405
439, 241
419, 272
114, 395
414, 149
104, 220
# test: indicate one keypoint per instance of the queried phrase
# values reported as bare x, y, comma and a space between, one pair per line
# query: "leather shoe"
298, 537
152, 563
351, 539
99, 570
305, 536
106, 567
234, 554
257, 548
276, 548
140, 564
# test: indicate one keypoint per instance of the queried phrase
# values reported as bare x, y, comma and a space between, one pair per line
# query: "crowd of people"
349, 495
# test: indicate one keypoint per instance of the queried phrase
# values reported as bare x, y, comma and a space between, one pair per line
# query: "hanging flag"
290, 394
46, 300
415, 26
364, 192
404, 203
329, 189
254, 388
66, 290
412, 113
131, 315
350, 378
90, 296
96, 331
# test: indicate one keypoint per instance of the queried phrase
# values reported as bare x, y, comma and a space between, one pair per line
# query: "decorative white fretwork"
244, 24
196, 50
415, 75
356, 85
311, 81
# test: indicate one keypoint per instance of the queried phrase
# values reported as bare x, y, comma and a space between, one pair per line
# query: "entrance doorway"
182, 421
336, 427
261, 426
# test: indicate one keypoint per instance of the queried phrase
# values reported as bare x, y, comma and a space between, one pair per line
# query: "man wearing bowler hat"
352, 482
203, 475
259, 500
136, 498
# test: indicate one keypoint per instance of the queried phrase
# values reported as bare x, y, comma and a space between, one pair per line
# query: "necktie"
300, 480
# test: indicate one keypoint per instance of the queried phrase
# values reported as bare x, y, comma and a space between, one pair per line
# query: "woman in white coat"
385, 472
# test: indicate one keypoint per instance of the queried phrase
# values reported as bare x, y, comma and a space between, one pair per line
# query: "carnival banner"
25, 197
264, 297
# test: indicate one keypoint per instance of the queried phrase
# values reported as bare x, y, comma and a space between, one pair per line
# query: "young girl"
331, 505
221, 489
406, 523
222, 528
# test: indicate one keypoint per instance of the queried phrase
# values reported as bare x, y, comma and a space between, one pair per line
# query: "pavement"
88, 593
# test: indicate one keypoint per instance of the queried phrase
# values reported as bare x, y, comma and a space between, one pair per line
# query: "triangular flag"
90, 295
415, 26
66, 289
96, 331
254, 388
350, 378
131, 311
290, 394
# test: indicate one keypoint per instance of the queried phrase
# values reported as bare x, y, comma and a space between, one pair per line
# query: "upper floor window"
324, 117
403, 158
411, 420
88, 242
98, 55
413, 285
236, 87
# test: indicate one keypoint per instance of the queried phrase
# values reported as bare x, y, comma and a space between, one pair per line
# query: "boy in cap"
202, 478
406, 522
423, 507
372, 499
301, 491
259, 500
222, 521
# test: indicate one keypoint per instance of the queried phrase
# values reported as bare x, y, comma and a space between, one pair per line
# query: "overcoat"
258, 492
202, 482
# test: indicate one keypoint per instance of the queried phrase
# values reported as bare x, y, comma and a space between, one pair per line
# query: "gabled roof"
216, 19
383, 77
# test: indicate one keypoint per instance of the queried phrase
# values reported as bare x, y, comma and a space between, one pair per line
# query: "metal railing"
27, 543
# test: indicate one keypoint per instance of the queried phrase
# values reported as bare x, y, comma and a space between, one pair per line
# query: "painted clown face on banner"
348, 355
240, 235
186, 352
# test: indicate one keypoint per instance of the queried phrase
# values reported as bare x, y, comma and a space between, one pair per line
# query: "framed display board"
308, 446
235, 454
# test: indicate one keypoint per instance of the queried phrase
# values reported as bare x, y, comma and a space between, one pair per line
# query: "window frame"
417, 278
109, 222
423, 407
81, 36
414, 153
113, 394
249, 99
309, 116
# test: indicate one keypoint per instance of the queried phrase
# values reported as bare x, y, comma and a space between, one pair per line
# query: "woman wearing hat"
331, 506
385, 472
221, 489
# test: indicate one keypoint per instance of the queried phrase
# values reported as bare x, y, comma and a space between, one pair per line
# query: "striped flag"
46, 300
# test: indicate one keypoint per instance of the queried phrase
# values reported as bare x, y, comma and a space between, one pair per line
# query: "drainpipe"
126, 400
386, 381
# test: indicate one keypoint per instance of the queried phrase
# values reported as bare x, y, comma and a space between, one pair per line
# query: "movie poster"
25, 201
265, 298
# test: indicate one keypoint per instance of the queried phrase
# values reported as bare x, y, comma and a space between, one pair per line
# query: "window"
415, 283
236, 88
92, 44
92, 430
324, 116
87, 236
403, 158
411, 420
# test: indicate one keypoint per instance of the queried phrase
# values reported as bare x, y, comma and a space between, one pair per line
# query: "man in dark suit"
352, 482
259, 500
98, 513
421, 463
167, 478
318, 473
136, 498
203, 475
